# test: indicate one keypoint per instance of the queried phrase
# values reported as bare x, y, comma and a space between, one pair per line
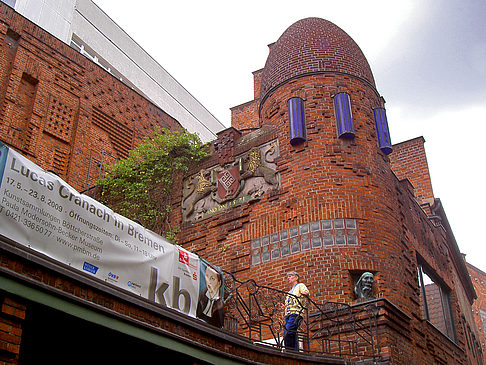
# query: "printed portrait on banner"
210, 307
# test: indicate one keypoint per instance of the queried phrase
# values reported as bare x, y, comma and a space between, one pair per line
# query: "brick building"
69, 115
478, 278
90, 31
303, 180
62, 110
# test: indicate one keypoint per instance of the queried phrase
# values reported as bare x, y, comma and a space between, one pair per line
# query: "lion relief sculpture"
219, 187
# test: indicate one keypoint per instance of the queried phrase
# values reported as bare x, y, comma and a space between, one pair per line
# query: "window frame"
445, 300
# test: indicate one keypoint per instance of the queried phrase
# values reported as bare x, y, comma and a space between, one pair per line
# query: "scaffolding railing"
336, 329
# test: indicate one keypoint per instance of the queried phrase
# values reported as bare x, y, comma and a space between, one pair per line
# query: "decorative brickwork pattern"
60, 119
120, 134
61, 109
225, 145
60, 160
18, 132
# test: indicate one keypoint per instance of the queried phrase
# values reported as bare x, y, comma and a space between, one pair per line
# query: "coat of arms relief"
218, 188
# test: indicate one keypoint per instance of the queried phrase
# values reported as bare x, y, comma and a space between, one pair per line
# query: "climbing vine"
140, 186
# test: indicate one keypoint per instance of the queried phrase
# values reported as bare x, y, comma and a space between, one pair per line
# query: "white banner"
41, 211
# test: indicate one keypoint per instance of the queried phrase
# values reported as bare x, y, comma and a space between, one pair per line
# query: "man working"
294, 307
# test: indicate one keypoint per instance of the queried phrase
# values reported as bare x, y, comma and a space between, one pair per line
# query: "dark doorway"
53, 337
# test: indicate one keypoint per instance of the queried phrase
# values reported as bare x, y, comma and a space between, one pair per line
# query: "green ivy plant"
140, 186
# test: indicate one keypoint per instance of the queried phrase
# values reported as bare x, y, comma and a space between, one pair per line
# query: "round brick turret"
319, 197
338, 182
313, 46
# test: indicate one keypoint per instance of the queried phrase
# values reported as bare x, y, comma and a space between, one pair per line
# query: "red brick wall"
12, 316
323, 178
328, 178
244, 117
63, 111
408, 161
479, 307
257, 81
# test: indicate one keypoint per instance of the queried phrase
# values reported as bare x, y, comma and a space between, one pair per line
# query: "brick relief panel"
219, 188
60, 118
121, 135
9, 48
20, 112
60, 160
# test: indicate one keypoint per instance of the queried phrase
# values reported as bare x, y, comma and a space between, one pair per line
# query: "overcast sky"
428, 58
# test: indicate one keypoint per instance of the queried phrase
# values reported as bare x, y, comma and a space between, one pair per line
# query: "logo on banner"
228, 182
184, 257
90, 268
113, 277
132, 284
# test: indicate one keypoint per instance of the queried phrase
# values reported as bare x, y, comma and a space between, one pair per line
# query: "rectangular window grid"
308, 236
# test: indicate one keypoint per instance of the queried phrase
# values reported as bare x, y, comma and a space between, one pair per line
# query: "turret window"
296, 121
383, 133
344, 115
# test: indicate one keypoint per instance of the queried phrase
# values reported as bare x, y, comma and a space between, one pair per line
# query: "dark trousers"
292, 323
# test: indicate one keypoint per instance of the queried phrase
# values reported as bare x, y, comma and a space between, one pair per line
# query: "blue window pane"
383, 133
296, 121
344, 116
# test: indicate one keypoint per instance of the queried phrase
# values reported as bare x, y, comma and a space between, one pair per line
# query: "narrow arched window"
344, 116
382, 131
296, 121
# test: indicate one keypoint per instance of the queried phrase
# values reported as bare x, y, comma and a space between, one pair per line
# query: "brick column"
12, 317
